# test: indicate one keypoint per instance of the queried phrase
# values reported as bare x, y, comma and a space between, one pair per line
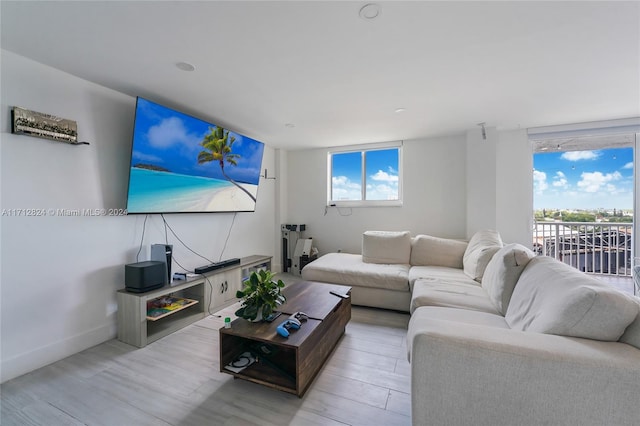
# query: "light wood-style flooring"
176, 381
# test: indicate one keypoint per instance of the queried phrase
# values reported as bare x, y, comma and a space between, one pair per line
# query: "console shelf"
134, 326
206, 293
154, 313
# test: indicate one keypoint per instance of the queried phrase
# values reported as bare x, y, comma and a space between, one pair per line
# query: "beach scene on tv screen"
182, 164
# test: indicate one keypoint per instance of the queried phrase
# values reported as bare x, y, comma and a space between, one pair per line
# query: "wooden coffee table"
290, 364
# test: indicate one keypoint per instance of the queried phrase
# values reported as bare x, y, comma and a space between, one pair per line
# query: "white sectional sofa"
498, 336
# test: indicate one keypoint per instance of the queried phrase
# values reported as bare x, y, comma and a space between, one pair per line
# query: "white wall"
281, 175
434, 196
454, 186
481, 181
59, 275
500, 184
514, 187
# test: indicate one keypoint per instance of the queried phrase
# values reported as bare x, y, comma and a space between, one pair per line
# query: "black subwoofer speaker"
144, 276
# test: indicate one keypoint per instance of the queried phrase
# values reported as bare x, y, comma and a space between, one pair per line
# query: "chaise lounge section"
379, 277
396, 271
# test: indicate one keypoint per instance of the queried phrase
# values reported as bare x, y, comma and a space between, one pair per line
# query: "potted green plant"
260, 296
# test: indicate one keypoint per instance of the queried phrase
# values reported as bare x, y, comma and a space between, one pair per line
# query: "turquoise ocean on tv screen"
154, 191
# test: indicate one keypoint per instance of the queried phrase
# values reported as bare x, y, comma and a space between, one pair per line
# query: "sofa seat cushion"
481, 248
552, 297
450, 294
386, 247
433, 251
503, 272
440, 273
349, 269
434, 317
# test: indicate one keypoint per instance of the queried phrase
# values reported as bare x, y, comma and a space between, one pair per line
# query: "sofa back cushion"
502, 274
632, 333
481, 248
552, 297
387, 247
433, 251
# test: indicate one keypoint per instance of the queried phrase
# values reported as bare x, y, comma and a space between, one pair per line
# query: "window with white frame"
365, 175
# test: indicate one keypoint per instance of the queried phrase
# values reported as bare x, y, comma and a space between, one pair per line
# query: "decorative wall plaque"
47, 126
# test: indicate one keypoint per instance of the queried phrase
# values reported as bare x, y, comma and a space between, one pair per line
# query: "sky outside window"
382, 174
380, 177
583, 180
346, 179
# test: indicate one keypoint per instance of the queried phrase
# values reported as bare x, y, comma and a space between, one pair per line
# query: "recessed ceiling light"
370, 11
185, 66
399, 110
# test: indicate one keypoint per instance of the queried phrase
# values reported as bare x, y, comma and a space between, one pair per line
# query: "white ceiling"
339, 78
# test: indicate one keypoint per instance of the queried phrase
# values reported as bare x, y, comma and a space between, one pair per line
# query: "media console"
204, 294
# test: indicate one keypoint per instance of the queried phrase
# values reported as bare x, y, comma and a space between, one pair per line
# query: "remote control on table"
272, 316
344, 296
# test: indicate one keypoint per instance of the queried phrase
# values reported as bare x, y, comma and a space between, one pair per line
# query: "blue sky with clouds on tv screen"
170, 139
583, 179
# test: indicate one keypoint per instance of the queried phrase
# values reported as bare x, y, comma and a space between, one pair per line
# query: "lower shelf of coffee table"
279, 369
277, 372
294, 361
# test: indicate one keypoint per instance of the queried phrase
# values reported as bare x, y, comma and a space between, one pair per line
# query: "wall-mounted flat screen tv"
180, 164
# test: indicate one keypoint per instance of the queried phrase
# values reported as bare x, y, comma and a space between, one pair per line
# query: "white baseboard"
26, 362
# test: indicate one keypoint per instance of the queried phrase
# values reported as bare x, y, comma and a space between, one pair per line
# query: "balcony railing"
592, 247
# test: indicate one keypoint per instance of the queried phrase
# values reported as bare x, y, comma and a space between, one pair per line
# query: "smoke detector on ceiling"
370, 11
185, 66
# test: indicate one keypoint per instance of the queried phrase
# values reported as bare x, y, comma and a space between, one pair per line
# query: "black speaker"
144, 276
285, 255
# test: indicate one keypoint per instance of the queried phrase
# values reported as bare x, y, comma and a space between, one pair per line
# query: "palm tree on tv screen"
218, 148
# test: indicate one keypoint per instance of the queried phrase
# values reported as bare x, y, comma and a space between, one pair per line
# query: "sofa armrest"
464, 373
